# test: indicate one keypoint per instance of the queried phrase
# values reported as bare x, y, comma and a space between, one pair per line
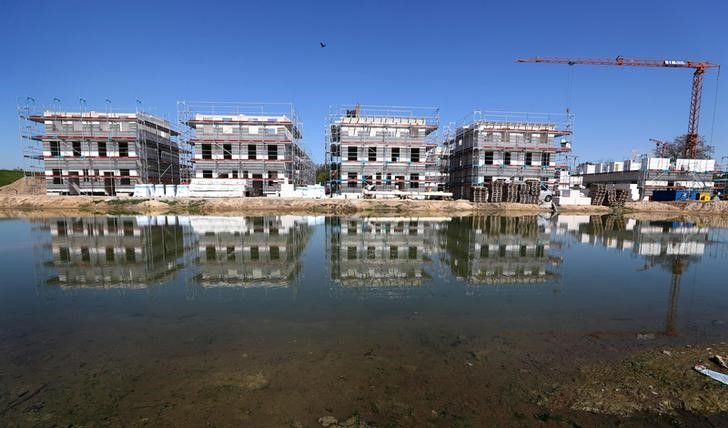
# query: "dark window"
351, 180
207, 151
76, 148
351, 253
128, 227
245, 174
545, 159
124, 150
371, 253
395, 154
85, 254
393, 252
102, 149
206, 173
64, 254
61, 226
235, 173
379, 178
254, 253
57, 176
109, 254
85, 175
415, 156
125, 180
271, 175
231, 253
507, 158
529, 159
488, 158
227, 151
412, 253
414, 181
351, 153
55, 149
372, 153
210, 253
272, 152
275, 253
252, 151
130, 255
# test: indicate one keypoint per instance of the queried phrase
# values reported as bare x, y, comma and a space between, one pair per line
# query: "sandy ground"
17, 198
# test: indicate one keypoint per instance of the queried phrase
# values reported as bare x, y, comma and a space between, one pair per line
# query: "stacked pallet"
496, 191
479, 194
512, 191
598, 193
529, 192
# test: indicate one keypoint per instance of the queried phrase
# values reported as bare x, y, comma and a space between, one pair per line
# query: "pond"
284, 320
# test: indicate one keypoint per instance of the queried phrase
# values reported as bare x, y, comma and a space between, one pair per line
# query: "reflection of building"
250, 251
501, 250
648, 238
117, 252
381, 254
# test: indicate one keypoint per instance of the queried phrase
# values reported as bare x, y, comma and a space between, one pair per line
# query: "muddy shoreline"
45, 205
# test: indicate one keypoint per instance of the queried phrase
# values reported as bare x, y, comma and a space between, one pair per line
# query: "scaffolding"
493, 145
102, 151
239, 141
31, 148
386, 146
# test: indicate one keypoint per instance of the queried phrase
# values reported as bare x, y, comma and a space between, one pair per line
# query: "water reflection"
250, 252
117, 252
365, 256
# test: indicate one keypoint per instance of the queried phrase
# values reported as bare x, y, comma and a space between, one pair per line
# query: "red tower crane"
699, 66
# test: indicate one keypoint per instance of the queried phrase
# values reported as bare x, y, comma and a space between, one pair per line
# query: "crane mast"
695, 98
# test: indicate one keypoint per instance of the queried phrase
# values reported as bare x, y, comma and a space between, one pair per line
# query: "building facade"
94, 153
385, 147
255, 148
489, 146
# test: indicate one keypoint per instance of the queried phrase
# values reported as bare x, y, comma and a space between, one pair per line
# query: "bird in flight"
323, 45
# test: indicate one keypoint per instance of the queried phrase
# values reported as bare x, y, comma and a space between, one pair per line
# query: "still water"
281, 320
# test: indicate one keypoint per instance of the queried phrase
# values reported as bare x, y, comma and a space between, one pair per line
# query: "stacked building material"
479, 194
598, 192
496, 191
512, 192
529, 193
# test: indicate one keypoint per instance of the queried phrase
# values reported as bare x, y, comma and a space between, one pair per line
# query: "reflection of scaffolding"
382, 256
117, 252
385, 146
250, 252
497, 250
32, 148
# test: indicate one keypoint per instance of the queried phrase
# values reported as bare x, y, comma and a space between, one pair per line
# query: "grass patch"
8, 176
117, 202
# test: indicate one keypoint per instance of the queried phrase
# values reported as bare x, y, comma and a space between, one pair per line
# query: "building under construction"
490, 146
389, 148
244, 149
100, 153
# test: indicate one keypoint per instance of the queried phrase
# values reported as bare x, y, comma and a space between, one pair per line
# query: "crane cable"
715, 106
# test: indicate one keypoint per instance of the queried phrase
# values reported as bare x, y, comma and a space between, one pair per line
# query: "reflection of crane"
660, 147
677, 270
697, 92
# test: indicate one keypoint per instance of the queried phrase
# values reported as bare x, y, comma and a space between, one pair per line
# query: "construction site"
488, 149
89, 152
381, 149
244, 149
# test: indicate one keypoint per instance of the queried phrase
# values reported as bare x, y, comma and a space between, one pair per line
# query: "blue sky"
458, 56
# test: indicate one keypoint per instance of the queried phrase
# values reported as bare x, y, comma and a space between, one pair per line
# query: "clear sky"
458, 56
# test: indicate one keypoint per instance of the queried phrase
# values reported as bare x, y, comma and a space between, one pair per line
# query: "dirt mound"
25, 186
